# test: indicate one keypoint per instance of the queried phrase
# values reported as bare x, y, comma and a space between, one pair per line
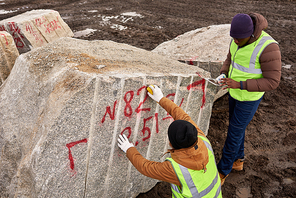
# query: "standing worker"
191, 170
252, 66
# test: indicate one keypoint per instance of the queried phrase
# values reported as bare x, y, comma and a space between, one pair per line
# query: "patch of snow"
92, 11
118, 27
83, 3
123, 18
287, 66
84, 33
132, 14
6, 12
66, 17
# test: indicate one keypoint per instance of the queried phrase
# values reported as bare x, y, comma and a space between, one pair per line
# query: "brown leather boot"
238, 164
222, 177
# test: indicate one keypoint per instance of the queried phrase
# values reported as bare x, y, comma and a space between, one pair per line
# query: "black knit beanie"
182, 134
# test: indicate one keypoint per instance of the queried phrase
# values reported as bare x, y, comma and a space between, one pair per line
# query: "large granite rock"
8, 54
205, 47
35, 28
64, 105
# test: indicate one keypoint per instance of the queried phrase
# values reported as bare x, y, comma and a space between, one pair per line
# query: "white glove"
123, 143
157, 94
218, 79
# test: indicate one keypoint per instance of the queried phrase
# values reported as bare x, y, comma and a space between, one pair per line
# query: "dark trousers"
240, 115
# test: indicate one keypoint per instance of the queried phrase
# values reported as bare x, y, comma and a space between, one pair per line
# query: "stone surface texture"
64, 105
197, 48
35, 28
8, 54
197, 45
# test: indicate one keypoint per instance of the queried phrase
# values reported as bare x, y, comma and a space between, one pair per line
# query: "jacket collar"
260, 23
195, 157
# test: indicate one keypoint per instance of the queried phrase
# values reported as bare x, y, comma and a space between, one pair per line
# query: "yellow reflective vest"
245, 65
197, 183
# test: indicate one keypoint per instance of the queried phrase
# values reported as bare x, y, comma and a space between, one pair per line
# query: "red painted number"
138, 110
129, 129
146, 129
128, 111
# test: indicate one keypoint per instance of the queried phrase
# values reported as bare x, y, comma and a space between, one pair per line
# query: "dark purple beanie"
182, 134
241, 26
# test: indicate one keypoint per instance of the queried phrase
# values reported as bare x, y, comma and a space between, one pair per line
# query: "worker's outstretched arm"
174, 110
157, 170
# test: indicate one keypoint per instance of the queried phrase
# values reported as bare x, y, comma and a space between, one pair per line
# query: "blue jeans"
240, 115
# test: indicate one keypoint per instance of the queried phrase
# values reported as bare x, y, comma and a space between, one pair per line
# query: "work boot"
238, 164
222, 177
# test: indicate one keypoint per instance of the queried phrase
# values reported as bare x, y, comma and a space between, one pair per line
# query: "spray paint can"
150, 90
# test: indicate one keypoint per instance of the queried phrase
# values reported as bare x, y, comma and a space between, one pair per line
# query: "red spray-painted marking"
170, 117
4, 38
16, 34
192, 59
2, 28
195, 84
129, 131
52, 26
146, 129
166, 118
156, 118
171, 94
49, 26
181, 102
199, 75
138, 109
40, 21
108, 110
70, 145
141, 88
128, 111
36, 35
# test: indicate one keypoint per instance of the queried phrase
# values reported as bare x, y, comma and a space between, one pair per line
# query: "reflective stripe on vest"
254, 55
189, 180
245, 65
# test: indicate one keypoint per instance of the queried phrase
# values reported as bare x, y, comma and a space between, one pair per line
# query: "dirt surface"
270, 166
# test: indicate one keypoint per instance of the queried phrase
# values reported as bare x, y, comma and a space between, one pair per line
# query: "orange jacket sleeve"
160, 170
157, 170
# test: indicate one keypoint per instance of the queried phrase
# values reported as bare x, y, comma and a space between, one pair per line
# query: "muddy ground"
270, 166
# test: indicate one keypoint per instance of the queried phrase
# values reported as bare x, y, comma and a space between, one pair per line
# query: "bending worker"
252, 66
191, 170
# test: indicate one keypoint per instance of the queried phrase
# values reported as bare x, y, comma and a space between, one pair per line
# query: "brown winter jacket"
191, 158
270, 60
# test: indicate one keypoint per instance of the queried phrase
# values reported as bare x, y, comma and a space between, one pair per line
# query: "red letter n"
108, 110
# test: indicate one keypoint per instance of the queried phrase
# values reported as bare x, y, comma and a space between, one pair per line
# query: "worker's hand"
123, 143
230, 83
218, 79
157, 94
